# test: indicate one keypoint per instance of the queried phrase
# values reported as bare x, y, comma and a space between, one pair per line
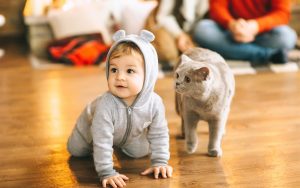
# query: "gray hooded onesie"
138, 129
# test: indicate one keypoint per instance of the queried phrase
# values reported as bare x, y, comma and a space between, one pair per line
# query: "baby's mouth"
120, 86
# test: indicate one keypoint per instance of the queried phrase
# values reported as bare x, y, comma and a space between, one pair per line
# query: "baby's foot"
191, 147
215, 152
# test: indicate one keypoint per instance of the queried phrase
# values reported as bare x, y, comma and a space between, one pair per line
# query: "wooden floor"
38, 109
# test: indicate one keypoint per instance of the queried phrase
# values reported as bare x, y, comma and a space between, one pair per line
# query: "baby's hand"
115, 181
165, 171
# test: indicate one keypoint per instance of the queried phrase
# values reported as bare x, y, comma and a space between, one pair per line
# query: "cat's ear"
184, 59
203, 72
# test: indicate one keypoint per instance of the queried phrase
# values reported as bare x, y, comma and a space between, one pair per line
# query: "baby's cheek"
139, 84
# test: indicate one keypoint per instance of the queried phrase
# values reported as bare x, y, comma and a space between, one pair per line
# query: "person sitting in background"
251, 30
172, 22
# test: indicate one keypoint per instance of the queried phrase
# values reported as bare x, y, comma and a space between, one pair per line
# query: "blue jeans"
208, 34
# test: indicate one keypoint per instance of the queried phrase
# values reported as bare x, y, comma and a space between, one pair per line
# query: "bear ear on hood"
119, 35
147, 35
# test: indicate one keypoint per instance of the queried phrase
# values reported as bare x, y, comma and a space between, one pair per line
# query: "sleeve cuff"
159, 162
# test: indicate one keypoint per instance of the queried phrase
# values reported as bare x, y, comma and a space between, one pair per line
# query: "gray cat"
204, 90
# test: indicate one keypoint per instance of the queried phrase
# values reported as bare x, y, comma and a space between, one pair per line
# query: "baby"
130, 116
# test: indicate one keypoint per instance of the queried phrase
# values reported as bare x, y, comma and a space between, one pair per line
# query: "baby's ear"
119, 35
203, 72
147, 35
184, 59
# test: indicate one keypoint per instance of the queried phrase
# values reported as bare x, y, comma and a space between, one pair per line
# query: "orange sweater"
268, 13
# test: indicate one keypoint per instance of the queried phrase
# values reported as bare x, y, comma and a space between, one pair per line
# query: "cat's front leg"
190, 125
182, 136
216, 131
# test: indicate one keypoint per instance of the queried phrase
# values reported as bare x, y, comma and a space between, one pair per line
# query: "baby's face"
126, 77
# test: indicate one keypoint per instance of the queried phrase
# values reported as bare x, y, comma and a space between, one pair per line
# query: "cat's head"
192, 78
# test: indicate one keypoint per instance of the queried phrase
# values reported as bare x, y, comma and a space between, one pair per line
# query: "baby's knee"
77, 147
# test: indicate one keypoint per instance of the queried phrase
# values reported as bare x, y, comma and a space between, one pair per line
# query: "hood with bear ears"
143, 41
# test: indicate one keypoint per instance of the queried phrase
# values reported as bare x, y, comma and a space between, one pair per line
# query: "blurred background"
36, 25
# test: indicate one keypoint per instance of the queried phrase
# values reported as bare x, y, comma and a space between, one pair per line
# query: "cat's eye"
187, 79
177, 75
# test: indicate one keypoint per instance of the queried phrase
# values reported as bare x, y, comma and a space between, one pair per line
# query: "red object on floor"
79, 50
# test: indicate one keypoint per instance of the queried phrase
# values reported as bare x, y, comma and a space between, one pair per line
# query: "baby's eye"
113, 70
130, 71
187, 79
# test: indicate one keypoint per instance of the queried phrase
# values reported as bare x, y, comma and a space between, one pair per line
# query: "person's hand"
243, 30
238, 29
115, 181
165, 171
252, 27
184, 42
234, 26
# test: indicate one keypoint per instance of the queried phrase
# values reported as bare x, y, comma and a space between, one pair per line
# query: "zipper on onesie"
128, 127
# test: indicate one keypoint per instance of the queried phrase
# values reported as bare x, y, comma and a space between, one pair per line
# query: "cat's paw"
191, 147
215, 152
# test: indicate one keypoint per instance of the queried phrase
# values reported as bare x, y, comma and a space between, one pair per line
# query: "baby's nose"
120, 76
